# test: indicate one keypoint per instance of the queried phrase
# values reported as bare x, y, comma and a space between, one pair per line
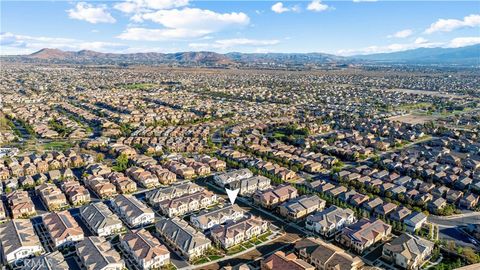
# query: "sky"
338, 27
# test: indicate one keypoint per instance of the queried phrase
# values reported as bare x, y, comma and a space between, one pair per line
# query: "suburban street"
455, 220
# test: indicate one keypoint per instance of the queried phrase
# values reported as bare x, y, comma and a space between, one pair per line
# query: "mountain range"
464, 56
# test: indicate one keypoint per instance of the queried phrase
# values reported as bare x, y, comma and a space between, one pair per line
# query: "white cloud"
22, 44
402, 34
448, 25
194, 18
136, 6
418, 43
235, 42
396, 47
420, 40
184, 23
91, 13
317, 5
147, 34
279, 8
463, 41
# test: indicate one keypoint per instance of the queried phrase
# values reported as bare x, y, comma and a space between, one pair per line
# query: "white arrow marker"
232, 194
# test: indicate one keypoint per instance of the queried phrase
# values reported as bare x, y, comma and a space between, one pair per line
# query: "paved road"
293, 233
457, 235
455, 220
450, 228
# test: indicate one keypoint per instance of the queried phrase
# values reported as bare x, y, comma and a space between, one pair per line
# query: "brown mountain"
202, 59
50, 54
56, 55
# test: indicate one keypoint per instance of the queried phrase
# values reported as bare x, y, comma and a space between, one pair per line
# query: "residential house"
415, 221
407, 251
184, 238
49, 261
20, 204
385, 209
165, 176
124, 184
188, 203
101, 186
96, 253
143, 177
100, 220
76, 193
145, 249
437, 204
280, 261
229, 177
132, 211
469, 201
372, 204
154, 197
326, 256
363, 234
62, 229
52, 196
358, 199
18, 241
453, 196
248, 186
235, 232
400, 213
207, 219
300, 207
330, 220
270, 198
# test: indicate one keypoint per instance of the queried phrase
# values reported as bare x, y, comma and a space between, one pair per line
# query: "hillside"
462, 55
437, 56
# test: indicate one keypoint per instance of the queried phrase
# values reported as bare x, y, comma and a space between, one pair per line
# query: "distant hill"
463, 55
448, 56
202, 58
87, 56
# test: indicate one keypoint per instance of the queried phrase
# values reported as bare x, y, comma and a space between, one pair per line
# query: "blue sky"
338, 27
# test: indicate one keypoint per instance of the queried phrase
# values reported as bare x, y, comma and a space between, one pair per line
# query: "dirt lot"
424, 92
414, 118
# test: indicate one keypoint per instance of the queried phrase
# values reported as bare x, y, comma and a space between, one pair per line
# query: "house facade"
330, 220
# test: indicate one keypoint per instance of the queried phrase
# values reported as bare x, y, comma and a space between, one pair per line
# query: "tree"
122, 162
99, 157
471, 256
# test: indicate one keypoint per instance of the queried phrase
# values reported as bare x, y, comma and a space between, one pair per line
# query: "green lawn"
247, 245
235, 250
214, 257
57, 145
200, 260
264, 237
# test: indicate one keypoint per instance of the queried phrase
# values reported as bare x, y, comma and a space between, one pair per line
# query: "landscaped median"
214, 254
257, 240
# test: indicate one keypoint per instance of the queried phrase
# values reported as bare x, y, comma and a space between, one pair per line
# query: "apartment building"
207, 219
62, 229
100, 219
18, 241
330, 220
132, 211
147, 251
235, 232
184, 238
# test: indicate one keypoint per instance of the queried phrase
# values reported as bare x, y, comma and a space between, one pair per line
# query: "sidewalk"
199, 266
